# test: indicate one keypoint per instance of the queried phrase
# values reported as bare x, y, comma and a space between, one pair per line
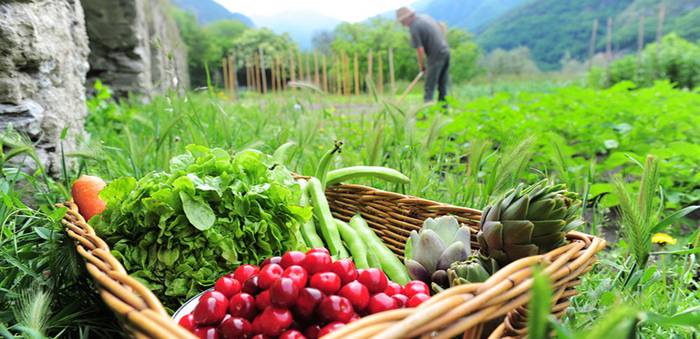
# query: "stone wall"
43, 61
135, 46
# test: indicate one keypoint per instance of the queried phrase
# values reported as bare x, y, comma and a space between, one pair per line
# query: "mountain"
551, 28
207, 11
469, 14
301, 25
466, 14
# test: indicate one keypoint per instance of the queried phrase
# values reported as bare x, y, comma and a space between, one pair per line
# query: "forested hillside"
550, 28
207, 11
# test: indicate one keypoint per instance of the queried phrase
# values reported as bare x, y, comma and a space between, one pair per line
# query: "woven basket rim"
143, 315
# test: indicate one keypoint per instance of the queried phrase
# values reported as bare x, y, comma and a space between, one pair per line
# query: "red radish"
268, 275
319, 249
242, 305
273, 321
85, 193
357, 293
335, 308
374, 279
417, 299
381, 302
235, 327
292, 258
330, 328
298, 274
307, 301
292, 334
271, 260
211, 308
393, 288
259, 336
244, 272
345, 269
327, 282
312, 331
401, 299
251, 286
187, 322
284, 292
262, 300
228, 286
315, 262
206, 332
414, 287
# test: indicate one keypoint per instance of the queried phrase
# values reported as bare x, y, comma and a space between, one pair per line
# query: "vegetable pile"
176, 231
297, 295
526, 221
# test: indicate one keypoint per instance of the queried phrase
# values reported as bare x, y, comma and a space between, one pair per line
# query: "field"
491, 138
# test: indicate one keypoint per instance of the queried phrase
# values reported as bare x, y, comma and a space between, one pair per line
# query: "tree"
464, 55
323, 41
206, 45
273, 45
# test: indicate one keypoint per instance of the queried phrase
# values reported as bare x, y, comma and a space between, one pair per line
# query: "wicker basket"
495, 308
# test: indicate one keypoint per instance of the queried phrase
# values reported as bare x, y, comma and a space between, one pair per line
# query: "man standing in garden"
429, 40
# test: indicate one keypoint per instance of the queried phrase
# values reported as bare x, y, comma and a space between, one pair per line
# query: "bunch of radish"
297, 295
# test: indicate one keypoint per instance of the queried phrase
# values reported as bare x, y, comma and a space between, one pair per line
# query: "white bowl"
188, 306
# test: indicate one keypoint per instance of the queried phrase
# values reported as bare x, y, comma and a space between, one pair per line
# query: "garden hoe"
410, 87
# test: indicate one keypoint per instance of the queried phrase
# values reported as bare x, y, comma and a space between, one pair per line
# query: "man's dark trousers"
437, 75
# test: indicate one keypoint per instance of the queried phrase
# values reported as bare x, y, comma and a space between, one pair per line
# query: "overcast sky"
346, 10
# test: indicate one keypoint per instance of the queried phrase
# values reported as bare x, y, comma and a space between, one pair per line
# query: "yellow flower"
663, 239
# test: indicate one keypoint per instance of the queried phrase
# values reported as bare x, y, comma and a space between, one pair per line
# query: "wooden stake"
247, 73
292, 75
324, 69
346, 75
263, 72
308, 67
283, 78
380, 73
258, 73
338, 77
273, 75
391, 71
317, 81
279, 74
591, 47
301, 66
233, 77
356, 67
254, 72
224, 73
369, 67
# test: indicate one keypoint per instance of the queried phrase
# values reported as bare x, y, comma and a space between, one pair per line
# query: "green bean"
372, 260
282, 153
308, 230
322, 169
355, 244
391, 265
347, 173
329, 230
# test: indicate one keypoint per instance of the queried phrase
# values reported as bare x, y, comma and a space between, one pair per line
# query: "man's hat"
404, 13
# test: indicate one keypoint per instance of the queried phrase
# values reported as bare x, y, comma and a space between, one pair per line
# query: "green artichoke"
528, 221
475, 269
430, 252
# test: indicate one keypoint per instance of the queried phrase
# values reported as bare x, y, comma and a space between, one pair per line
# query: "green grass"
484, 145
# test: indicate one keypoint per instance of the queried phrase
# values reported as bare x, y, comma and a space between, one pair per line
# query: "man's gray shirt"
426, 33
